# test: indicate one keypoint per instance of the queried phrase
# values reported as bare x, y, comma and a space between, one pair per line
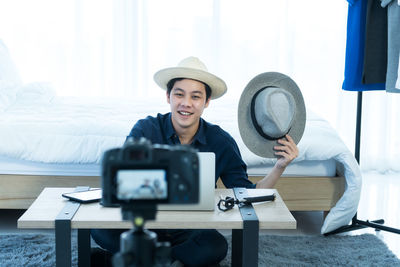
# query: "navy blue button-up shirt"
209, 138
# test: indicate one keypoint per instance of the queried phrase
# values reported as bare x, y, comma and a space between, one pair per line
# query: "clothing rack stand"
356, 223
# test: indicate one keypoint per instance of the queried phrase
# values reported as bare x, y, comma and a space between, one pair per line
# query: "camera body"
140, 173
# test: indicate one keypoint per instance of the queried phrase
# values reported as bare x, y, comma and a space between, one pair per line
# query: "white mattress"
25, 167
16, 166
67, 135
302, 168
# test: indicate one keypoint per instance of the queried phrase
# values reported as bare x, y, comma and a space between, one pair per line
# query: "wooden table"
50, 210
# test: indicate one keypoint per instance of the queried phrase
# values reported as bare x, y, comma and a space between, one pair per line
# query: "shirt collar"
168, 129
198, 137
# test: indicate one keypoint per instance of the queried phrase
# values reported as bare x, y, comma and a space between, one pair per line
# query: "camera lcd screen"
142, 184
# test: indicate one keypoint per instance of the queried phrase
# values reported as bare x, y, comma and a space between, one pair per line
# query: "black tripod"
356, 223
139, 247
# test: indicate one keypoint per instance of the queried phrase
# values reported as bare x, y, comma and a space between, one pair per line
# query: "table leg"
63, 231
245, 241
63, 243
250, 243
83, 247
245, 246
237, 247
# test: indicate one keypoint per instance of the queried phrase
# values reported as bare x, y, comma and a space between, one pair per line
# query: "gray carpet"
361, 250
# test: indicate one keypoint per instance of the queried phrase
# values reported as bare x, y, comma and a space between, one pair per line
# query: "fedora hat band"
270, 122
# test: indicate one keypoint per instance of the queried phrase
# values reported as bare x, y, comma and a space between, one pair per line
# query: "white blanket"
319, 142
76, 130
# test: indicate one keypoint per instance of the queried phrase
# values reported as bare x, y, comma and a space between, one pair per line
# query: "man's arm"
288, 151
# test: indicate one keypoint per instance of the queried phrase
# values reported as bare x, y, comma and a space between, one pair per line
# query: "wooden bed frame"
298, 193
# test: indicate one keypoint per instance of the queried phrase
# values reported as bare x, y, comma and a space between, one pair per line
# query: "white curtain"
112, 48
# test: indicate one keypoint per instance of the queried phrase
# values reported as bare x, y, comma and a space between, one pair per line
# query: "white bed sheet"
25, 167
68, 130
301, 168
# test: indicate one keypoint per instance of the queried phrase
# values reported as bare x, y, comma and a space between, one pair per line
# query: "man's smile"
184, 113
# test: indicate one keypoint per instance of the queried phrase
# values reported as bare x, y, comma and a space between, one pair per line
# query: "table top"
44, 210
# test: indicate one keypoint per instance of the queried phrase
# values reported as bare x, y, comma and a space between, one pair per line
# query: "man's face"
187, 100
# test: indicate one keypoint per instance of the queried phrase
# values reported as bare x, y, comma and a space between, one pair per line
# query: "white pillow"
36, 92
8, 70
8, 92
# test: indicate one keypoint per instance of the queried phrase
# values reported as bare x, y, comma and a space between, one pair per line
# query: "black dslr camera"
137, 177
142, 173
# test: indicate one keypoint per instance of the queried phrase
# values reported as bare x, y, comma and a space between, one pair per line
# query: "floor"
380, 199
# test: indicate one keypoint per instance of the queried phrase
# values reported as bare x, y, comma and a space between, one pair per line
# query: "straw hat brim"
217, 85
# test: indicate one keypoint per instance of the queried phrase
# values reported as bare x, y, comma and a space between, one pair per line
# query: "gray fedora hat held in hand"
270, 107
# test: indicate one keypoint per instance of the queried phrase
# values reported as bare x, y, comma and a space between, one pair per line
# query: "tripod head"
138, 246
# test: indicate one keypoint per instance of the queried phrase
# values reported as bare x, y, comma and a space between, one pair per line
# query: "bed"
49, 140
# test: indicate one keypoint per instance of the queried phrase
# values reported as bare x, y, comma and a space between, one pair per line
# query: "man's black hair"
171, 83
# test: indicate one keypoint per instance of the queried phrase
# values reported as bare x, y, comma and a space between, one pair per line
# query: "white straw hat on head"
191, 68
270, 107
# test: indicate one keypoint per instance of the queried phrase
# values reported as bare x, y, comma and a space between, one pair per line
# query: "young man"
190, 88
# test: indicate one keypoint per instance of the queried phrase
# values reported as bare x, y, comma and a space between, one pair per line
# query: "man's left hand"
287, 150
